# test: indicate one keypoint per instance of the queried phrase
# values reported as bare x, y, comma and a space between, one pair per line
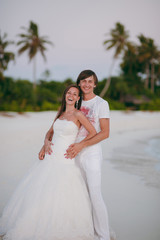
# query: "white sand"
130, 181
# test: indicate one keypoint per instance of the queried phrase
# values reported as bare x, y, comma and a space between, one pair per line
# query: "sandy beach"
130, 172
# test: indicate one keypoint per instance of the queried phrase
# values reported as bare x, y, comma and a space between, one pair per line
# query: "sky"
78, 29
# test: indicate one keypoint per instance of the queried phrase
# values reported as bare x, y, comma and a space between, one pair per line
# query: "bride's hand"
47, 146
41, 154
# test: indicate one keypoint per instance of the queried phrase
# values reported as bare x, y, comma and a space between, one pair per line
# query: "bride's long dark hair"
63, 102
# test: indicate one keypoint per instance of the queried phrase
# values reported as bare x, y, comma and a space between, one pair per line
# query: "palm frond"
22, 35
33, 28
23, 41
23, 49
107, 41
110, 46
31, 41
119, 39
32, 52
47, 41
43, 55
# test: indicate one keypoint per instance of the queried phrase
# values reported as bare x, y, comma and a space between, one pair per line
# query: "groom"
89, 156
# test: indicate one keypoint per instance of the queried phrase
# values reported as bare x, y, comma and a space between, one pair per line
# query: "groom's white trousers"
89, 162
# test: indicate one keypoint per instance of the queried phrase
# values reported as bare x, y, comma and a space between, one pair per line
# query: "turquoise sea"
154, 150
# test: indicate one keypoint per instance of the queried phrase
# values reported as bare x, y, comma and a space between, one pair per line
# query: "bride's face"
72, 96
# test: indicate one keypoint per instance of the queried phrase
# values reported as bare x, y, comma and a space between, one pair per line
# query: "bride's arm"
46, 148
87, 125
75, 148
49, 136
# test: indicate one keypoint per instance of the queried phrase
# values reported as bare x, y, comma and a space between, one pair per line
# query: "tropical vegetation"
33, 43
136, 88
5, 56
118, 40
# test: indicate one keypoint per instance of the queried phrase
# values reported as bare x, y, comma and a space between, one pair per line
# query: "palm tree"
150, 56
5, 56
118, 40
130, 63
33, 43
46, 74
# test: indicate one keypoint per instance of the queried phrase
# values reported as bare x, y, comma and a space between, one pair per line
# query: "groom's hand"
73, 150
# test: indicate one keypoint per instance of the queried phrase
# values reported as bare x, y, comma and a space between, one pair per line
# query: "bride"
52, 202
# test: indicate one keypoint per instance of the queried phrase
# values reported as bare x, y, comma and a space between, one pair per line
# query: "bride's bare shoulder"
78, 113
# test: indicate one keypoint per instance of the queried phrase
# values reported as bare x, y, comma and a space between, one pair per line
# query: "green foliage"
118, 89
44, 94
18, 95
5, 56
142, 62
100, 86
68, 82
119, 39
49, 106
23, 90
153, 105
32, 42
15, 95
115, 105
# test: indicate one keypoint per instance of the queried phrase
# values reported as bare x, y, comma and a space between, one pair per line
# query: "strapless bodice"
65, 133
65, 130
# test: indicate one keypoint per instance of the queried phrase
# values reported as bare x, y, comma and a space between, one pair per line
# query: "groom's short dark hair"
85, 74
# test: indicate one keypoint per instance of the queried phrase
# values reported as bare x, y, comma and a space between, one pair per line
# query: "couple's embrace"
60, 198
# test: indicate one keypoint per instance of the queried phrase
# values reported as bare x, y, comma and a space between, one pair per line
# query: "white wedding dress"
51, 202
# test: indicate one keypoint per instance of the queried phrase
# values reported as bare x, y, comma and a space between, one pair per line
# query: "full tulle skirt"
50, 203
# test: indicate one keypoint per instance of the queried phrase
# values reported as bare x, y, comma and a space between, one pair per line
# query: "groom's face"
87, 85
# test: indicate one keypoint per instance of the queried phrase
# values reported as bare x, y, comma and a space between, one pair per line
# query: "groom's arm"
103, 134
75, 148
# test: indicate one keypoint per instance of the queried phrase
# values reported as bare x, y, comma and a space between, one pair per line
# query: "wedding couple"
60, 198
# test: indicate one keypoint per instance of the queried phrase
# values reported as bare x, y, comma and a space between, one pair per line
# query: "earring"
77, 104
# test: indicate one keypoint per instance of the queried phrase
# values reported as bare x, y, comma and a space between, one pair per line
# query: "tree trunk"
147, 77
34, 73
34, 85
108, 81
152, 77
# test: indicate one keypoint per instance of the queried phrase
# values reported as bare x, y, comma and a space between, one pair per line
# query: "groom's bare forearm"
103, 134
96, 139
75, 148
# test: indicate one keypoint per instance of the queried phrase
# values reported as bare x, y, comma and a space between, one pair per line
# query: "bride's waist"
63, 140
59, 159
60, 146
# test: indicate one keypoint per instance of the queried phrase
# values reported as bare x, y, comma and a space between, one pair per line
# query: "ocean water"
153, 149
141, 158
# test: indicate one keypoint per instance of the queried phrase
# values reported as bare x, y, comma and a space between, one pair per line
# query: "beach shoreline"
129, 145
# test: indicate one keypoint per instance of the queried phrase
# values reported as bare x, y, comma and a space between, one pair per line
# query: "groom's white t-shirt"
89, 161
93, 109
